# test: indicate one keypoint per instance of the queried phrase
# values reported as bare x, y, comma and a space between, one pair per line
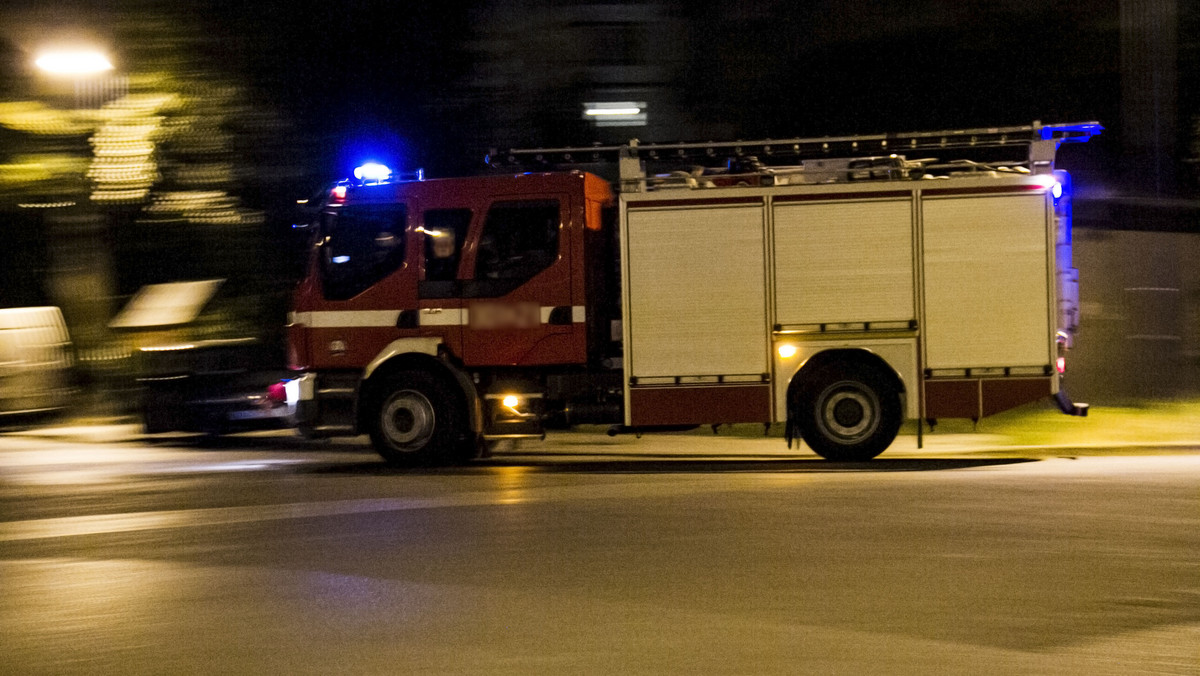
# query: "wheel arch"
381, 369
842, 355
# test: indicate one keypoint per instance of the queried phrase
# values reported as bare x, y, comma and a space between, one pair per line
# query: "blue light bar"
372, 172
1076, 132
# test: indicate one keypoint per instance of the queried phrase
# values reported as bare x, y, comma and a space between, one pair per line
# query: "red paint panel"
1001, 395
962, 398
699, 405
952, 399
359, 345
297, 346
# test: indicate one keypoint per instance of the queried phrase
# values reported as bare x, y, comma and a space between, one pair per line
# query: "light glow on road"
514, 490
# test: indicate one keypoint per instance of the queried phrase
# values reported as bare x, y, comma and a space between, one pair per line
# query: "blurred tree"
181, 172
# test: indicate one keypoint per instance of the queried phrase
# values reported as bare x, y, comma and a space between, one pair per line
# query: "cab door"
517, 285
366, 284
442, 312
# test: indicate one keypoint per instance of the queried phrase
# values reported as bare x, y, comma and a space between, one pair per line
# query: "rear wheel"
848, 412
418, 420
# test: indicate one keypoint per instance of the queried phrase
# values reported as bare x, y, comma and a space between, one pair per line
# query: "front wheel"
848, 412
418, 420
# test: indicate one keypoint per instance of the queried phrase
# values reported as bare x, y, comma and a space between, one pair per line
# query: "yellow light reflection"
513, 485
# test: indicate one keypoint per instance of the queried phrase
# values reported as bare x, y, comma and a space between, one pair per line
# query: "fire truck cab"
435, 311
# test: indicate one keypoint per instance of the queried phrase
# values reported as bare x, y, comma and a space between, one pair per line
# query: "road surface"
681, 554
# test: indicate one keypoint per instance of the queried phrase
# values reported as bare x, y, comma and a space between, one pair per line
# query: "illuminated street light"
75, 62
631, 110
615, 113
87, 70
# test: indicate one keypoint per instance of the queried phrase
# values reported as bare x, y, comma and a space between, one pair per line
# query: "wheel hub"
408, 419
848, 413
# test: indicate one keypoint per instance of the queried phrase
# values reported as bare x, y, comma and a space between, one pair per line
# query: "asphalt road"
683, 554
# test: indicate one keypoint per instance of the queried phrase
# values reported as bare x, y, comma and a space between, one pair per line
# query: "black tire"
417, 420
848, 412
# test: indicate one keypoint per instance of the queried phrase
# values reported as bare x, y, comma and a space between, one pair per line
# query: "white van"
36, 361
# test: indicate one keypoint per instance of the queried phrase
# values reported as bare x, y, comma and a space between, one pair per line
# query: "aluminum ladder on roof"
1041, 141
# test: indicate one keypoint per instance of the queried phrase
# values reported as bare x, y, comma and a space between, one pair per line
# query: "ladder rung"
792, 148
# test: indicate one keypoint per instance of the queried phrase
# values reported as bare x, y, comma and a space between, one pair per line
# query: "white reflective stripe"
344, 319
333, 319
578, 313
443, 316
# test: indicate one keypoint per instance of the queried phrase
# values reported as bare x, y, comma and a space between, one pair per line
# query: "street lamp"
85, 69
80, 276
73, 62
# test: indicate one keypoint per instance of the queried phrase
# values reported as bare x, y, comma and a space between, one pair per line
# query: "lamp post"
81, 270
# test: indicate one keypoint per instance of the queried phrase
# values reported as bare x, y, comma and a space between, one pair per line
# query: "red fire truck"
833, 285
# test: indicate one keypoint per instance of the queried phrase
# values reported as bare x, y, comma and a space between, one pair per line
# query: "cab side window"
363, 243
445, 230
519, 240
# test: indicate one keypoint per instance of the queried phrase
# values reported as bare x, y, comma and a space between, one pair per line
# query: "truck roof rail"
1041, 142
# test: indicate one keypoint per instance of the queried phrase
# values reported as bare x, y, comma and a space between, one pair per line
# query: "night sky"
369, 71
435, 84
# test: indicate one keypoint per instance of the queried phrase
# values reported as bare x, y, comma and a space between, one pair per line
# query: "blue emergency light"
372, 172
1076, 132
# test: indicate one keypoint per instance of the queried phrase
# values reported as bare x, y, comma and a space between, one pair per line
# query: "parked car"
37, 361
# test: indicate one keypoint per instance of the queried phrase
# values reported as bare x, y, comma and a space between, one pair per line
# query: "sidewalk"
126, 429
83, 430
1174, 425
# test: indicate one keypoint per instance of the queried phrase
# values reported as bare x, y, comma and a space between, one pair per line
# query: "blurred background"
177, 148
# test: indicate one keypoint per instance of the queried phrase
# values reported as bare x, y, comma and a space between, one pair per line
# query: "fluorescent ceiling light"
615, 113
612, 111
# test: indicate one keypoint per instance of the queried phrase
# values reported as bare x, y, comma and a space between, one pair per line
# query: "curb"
127, 431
